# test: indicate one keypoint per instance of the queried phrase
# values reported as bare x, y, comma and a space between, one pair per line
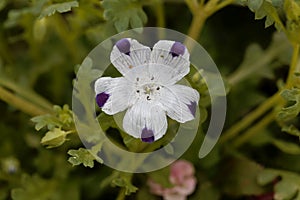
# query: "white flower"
147, 89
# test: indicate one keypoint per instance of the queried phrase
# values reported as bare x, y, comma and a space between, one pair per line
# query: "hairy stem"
268, 104
201, 12
293, 66
26, 93
250, 118
22, 104
160, 13
193, 5
197, 23
254, 130
121, 195
224, 4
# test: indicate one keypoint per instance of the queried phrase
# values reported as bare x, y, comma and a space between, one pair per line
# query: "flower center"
148, 91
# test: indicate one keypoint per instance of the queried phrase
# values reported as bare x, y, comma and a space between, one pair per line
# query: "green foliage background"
43, 42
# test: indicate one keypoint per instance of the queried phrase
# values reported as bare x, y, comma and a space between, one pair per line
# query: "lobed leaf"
62, 117
288, 187
124, 13
58, 7
83, 156
287, 147
292, 97
291, 129
266, 8
124, 182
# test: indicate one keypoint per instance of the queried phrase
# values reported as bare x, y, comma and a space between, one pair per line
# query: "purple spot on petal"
192, 107
101, 99
147, 135
177, 49
124, 46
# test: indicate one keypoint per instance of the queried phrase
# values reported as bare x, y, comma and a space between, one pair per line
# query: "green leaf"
254, 5
124, 181
287, 147
46, 120
58, 7
64, 114
259, 63
291, 129
266, 177
62, 117
287, 188
124, 13
83, 156
16, 15
268, 9
292, 97
54, 138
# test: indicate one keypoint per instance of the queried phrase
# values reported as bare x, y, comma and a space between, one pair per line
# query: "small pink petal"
174, 197
182, 176
180, 170
187, 187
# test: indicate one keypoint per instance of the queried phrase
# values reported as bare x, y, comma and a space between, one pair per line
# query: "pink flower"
183, 179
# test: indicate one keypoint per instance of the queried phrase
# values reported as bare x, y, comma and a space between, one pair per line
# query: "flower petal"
145, 120
186, 188
180, 170
129, 53
180, 102
170, 61
113, 95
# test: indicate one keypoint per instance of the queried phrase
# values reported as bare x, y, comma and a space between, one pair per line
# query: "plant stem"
235, 129
295, 56
201, 13
224, 4
193, 5
250, 118
21, 104
254, 130
160, 13
197, 23
26, 93
121, 195
196, 26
